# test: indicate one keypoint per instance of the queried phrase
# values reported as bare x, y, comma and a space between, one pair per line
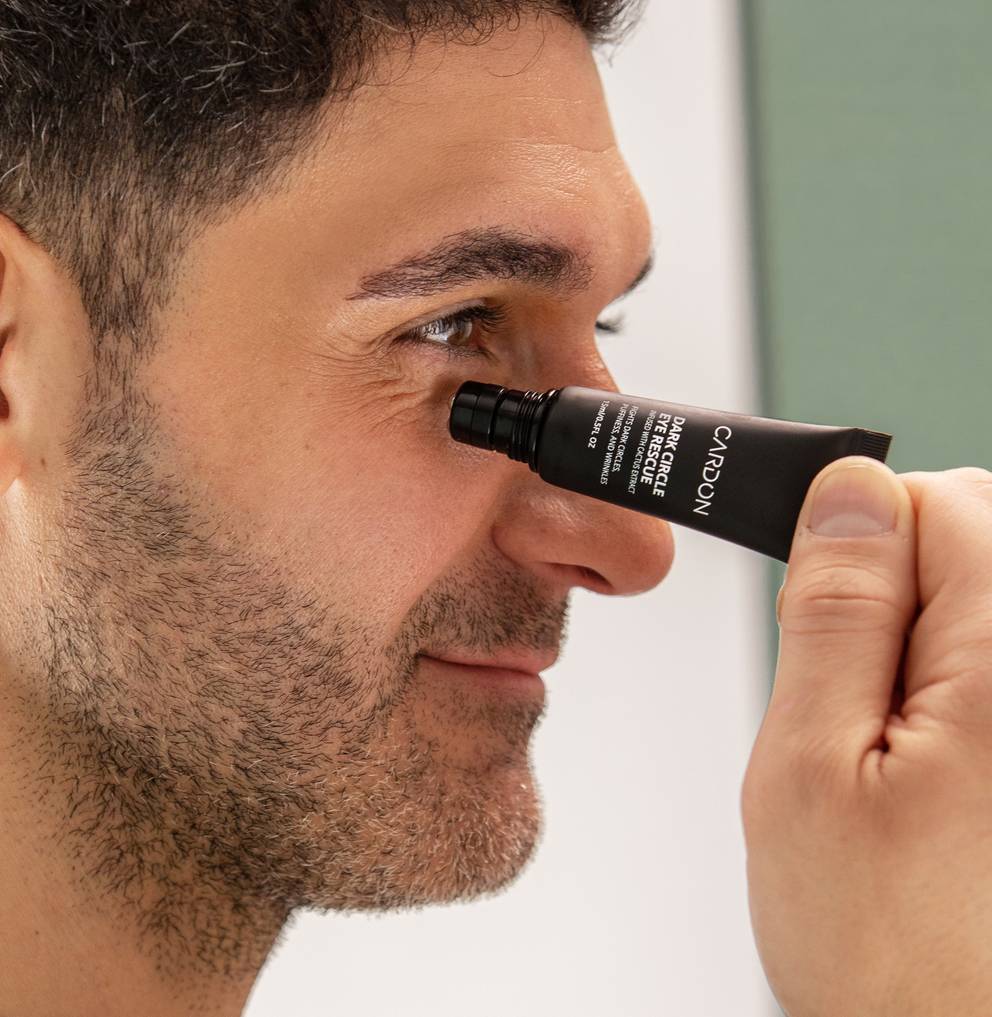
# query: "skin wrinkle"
252, 530
271, 693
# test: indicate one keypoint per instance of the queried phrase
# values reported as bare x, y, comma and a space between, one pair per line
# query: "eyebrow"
491, 252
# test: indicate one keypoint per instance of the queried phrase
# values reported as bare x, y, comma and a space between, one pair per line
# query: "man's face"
251, 557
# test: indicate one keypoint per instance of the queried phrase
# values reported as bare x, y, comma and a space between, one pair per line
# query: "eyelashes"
611, 326
478, 321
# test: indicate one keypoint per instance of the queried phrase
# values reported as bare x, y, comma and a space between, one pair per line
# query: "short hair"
124, 126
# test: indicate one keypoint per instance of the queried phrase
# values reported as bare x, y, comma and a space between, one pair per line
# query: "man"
248, 252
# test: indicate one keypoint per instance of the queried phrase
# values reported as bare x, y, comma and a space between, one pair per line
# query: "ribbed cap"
472, 413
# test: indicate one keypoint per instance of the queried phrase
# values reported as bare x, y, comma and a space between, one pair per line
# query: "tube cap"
473, 411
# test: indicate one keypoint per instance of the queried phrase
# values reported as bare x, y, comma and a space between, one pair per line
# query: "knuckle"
760, 799
975, 477
818, 774
753, 809
936, 480
970, 656
808, 776
843, 597
941, 484
759, 792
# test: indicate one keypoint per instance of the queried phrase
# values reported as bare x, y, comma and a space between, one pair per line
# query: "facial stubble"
217, 746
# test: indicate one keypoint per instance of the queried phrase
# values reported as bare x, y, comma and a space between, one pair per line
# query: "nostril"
592, 576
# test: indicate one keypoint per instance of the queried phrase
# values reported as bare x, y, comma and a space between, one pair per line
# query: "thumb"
849, 598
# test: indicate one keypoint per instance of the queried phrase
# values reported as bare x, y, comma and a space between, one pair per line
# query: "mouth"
509, 671
525, 661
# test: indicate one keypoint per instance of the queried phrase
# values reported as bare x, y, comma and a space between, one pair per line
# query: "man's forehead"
514, 85
421, 157
415, 162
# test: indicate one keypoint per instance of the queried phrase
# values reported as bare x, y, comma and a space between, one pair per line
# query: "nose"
569, 539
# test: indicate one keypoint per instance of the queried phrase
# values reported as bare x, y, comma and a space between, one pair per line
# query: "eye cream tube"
734, 476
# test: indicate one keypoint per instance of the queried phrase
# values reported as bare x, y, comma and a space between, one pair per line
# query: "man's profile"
248, 250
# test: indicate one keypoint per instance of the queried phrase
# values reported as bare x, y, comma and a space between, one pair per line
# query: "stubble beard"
217, 748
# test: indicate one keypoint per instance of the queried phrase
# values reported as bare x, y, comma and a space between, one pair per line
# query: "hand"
867, 803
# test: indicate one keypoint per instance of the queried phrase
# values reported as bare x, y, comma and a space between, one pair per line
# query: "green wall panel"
870, 144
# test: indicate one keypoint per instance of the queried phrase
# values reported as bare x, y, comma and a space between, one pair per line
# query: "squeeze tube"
734, 476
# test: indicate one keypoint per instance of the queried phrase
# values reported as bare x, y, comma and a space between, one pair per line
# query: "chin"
468, 849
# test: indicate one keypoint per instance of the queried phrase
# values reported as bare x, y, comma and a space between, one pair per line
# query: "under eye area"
461, 332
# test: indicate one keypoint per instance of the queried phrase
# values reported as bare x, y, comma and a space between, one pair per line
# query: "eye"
459, 333
454, 331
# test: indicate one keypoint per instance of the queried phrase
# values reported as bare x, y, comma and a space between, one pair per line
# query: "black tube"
734, 476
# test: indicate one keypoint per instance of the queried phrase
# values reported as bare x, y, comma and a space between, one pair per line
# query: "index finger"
951, 640
954, 530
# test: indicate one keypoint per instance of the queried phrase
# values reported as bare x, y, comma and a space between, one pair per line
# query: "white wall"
635, 903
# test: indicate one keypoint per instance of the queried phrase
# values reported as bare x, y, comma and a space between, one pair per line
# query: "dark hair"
125, 123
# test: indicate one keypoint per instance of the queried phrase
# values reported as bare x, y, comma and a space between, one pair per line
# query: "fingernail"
854, 501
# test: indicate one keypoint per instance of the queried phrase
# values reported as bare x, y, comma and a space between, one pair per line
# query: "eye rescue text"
659, 454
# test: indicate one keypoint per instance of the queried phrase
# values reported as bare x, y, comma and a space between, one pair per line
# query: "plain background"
872, 159
635, 903
873, 226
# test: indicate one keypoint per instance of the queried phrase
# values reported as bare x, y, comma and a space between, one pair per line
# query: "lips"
524, 661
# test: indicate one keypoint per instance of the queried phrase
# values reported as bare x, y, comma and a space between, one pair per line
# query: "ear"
4, 405
10, 458
42, 331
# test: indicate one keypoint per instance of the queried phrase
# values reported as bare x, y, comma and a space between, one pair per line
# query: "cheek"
345, 477
401, 502
368, 500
